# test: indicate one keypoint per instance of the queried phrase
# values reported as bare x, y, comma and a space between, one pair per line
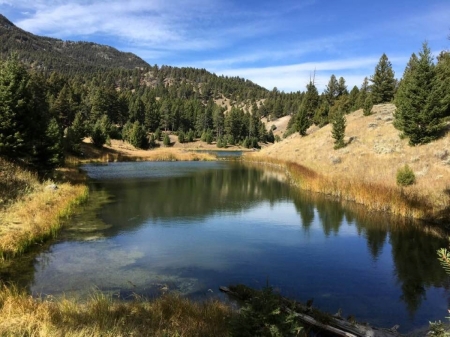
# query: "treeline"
42, 117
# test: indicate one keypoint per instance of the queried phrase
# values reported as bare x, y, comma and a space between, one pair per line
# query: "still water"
194, 226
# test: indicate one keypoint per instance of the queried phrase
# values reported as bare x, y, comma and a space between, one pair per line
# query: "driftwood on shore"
334, 325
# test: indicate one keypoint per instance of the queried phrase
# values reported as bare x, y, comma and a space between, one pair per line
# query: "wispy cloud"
295, 77
271, 43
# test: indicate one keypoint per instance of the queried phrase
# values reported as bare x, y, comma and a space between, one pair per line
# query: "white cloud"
295, 77
157, 24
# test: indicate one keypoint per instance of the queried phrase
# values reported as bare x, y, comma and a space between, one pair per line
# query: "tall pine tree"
419, 107
383, 82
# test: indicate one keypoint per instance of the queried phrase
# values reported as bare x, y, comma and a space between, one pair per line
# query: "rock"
441, 154
372, 125
51, 187
335, 160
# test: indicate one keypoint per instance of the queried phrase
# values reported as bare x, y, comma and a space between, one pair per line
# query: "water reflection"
195, 226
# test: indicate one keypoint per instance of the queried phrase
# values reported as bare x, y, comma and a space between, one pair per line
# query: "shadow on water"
189, 226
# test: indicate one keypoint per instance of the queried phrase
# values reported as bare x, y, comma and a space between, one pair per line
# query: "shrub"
368, 105
158, 134
181, 137
405, 176
208, 137
166, 140
262, 315
190, 136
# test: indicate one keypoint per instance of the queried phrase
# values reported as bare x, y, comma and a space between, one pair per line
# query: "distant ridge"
51, 54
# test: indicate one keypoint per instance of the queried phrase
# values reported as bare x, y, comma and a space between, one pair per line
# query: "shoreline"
393, 200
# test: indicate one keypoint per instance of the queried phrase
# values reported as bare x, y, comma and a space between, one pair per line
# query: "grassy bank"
169, 315
411, 202
32, 211
365, 170
120, 151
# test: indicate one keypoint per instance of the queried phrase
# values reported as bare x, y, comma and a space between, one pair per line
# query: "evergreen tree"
74, 135
181, 137
321, 115
166, 140
368, 105
13, 107
419, 109
100, 131
383, 82
363, 93
441, 91
48, 150
338, 130
331, 91
62, 107
270, 137
342, 87
138, 136
307, 109
353, 98
303, 122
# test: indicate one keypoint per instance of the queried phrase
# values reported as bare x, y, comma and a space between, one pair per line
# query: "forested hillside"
71, 90
69, 57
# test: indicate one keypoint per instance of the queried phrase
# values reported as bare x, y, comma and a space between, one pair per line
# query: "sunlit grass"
365, 170
169, 315
375, 196
32, 212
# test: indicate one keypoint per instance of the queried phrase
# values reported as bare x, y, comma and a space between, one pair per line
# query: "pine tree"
368, 105
308, 108
100, 131
338, 130
13, 107
363, 93
303, 122
166, 140
441, 90
383, 82
419, 107
138, 136
353, 98
331, 91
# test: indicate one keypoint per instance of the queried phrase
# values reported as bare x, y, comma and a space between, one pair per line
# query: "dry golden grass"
365, 170
37, 216
123, 151
169, 315
30, 212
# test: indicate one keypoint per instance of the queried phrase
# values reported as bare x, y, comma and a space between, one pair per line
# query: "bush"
190, 136
181, 137
208, 137
100, 131
158, 134
138, 136
219, 143
368, 105
166, 140
405, 176
262, 315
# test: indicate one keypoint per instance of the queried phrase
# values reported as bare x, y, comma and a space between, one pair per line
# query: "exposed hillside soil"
280, 123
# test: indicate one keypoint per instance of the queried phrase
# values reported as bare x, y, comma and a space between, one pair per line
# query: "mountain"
51, 54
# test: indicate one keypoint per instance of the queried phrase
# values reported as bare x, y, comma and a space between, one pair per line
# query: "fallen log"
335, 324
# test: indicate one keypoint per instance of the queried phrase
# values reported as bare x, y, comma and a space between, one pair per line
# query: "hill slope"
373, 155
53, 54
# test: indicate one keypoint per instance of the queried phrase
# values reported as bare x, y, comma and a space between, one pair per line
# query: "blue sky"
273, 43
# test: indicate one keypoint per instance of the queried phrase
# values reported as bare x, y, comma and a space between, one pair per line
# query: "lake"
191, 227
